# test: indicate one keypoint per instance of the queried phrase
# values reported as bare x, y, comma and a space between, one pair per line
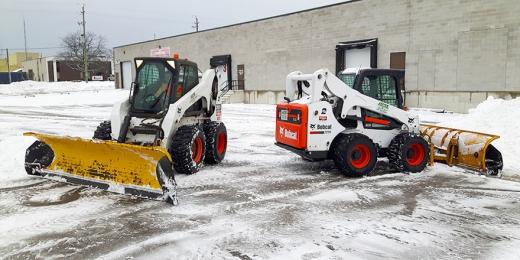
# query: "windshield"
153, 82
348, 79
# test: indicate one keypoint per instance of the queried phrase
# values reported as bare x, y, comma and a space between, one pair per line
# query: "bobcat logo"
313, 126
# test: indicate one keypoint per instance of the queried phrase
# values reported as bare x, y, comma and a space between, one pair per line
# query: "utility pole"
25, 39
196, 24
8, 65
85, 54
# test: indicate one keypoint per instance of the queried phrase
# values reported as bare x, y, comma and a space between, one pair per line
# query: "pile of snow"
500, 117
37, 87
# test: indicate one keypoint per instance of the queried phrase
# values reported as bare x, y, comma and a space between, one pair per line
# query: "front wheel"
408, 152
216, 140
188, 149
37, 157
355, 155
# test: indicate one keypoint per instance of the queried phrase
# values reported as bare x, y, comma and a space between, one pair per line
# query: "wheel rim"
360, 156
221, 143
196, 150
415, 155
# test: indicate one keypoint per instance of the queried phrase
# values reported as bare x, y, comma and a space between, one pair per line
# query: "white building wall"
39, 67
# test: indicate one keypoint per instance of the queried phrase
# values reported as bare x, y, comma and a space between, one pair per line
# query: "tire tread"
180, 149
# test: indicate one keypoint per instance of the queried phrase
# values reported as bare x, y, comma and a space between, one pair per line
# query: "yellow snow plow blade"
463, 148
116, 167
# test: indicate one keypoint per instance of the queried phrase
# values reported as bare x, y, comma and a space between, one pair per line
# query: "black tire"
39, 155
186, 160
494, 162
408, 152
216, 142
355, 155
103, 131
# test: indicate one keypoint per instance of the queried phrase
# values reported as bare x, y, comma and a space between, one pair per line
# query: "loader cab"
154, 80
381, 84
187, 79
160, 82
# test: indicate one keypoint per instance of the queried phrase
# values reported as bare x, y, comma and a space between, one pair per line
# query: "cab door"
382, 85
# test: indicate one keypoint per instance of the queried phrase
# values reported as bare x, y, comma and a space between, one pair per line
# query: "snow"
31, 88
262, 202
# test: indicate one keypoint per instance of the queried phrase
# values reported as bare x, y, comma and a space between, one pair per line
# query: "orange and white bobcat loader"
360, 117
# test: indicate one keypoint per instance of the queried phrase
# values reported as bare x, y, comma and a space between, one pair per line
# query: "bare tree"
73, 51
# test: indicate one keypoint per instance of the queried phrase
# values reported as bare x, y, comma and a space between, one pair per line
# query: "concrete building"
53, 69
456, 53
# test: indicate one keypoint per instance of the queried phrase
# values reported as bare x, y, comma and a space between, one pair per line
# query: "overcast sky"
128, 21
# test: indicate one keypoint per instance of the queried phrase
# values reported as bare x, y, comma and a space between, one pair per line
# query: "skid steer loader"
171, 121
454, 147
353, 120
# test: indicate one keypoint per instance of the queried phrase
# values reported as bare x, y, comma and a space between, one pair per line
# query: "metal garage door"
356, 54
126, 74
357, 58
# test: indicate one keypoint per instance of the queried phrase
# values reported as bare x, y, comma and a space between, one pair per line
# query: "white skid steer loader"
360, 117
171, 120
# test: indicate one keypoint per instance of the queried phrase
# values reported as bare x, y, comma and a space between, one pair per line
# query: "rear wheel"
216, 142
103, 131
355, 155
39, 155
188, 149
408, 152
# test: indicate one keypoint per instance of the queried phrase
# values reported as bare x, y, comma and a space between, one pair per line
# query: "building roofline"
242, 23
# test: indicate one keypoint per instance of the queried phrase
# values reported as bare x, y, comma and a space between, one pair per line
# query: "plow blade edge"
122, 168
468, 149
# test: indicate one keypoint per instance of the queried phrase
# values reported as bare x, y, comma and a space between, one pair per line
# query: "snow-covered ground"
261, 203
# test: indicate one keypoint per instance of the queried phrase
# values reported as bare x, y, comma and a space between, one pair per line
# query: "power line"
138, 18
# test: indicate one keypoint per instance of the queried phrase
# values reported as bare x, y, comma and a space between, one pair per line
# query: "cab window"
381, 87
153, 81
348, 79
191, 78
179, 86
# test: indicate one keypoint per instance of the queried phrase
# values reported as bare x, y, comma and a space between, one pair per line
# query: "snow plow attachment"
116, 167
468, 149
